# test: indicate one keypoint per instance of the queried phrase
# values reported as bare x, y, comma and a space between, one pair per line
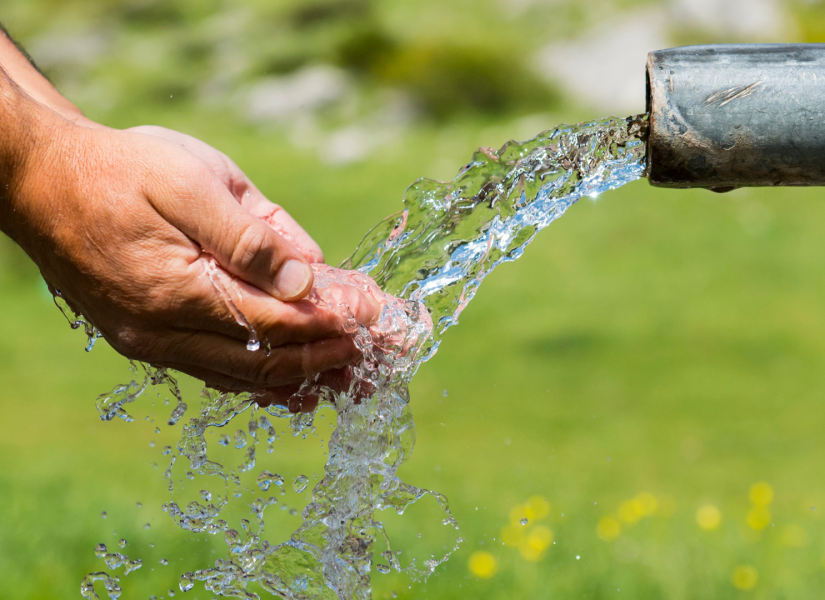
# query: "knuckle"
268, 372
251, 248
138, 344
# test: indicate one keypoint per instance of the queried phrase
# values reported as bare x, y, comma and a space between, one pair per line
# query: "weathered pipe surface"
723, 117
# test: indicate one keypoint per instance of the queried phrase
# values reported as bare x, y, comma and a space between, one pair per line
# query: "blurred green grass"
668, 342
651, 340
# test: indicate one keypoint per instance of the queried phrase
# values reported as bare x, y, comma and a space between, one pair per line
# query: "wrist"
26, 129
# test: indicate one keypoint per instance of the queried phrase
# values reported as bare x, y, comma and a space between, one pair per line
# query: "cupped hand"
126, 225
242, 189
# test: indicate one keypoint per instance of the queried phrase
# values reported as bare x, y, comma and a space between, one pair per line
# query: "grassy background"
670, 342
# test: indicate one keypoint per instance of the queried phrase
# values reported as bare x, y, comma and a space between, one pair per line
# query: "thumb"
203, 209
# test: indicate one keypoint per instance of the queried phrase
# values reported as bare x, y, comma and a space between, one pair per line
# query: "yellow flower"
634, 509
539, 507
630, 511
709, 517
519, 513
645, 503
536, 543
608, 529
761, 493
758, 518
483, 564
744, 577
512, 535
794, 536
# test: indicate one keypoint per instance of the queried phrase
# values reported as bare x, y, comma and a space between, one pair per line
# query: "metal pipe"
729, 116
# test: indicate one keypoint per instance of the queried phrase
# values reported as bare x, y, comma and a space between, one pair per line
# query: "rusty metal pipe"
729, 116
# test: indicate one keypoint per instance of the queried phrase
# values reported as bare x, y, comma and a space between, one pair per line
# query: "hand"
391, 343
243, 190
125, 225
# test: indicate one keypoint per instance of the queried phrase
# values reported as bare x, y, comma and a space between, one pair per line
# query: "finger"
337, 380
287, 396
275, 322
282, 222
242, 189
203, 209
213, 379
281, 366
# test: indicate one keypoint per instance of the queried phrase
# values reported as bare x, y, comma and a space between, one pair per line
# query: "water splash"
113, 560
75, 319
431, 257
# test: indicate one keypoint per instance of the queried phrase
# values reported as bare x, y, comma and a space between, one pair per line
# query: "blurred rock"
282, 98
357, 142
514, 8
605, 66
748, 20
349, 144
606, 69
69, 49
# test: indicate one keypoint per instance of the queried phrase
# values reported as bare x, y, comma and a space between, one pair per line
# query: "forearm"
15, 138
19, 68
27, 130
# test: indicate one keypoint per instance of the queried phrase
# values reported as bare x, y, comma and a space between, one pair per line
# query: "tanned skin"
125, 223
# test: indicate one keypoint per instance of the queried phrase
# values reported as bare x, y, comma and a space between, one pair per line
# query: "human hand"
242, 188
390, 343
125, 225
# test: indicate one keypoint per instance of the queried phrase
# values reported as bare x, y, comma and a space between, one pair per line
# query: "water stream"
423, 265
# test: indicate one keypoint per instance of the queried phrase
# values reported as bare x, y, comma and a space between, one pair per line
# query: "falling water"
423, 265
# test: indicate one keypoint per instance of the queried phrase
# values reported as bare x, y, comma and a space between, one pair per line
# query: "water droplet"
103, 515
523, 521
206, 495
300, 484
164, 562
266, 479
240, 439
253, 345
382, 568
578, 557
167, 450
224, 440
147, 526
152, 444
122, 543
101, 550
186, 582
139, 504
177, 413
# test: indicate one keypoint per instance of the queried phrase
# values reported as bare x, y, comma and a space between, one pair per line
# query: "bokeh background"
645, 386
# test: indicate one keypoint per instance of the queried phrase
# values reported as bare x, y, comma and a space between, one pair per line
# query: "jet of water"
428, 262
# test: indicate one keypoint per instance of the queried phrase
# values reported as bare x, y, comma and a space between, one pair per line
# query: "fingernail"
292, 279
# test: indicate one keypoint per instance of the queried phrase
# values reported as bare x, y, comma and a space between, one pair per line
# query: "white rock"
282, 98
606, 67
63, 49
747, 20
348, 145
